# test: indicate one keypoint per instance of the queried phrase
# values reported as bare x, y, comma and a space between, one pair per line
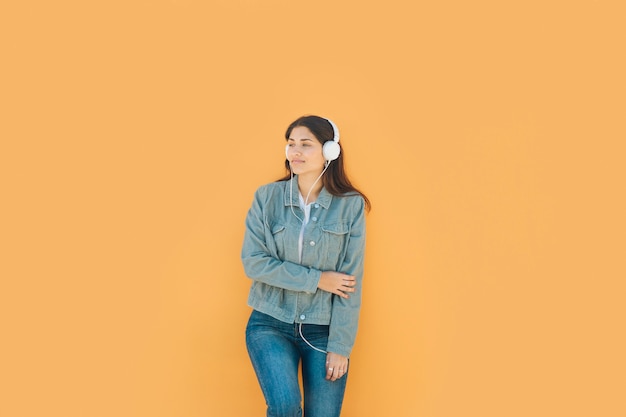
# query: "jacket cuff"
316, 274
339, 349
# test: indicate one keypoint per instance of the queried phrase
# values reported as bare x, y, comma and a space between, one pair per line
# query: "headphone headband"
335, 130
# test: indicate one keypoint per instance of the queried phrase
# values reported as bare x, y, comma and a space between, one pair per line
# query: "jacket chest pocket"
277, 243
335, 237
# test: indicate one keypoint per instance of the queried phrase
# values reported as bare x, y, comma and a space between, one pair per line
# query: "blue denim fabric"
334, 240
276, 350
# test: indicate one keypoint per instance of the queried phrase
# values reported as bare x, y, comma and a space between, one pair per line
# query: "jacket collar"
323, 199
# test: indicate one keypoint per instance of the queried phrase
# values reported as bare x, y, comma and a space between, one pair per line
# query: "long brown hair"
335, 179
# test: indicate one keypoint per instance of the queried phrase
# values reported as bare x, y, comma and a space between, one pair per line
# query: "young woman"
303, 250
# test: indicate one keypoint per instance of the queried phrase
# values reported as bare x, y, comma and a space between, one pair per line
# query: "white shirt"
307, 211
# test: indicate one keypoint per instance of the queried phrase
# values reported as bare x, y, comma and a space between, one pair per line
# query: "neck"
304, 185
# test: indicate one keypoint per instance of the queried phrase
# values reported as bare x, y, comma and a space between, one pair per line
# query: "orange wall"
489, 137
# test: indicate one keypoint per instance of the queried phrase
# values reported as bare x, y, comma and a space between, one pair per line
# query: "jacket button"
314, 218
312, 243
317, 206
302, 317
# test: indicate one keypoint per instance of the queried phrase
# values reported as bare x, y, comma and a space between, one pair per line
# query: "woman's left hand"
336, 366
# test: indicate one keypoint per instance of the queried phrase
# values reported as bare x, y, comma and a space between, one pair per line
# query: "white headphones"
331, 148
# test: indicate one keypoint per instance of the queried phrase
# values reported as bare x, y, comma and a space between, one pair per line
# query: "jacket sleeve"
345, 312
260, 259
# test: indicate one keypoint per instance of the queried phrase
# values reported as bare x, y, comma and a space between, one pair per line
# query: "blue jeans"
276, 349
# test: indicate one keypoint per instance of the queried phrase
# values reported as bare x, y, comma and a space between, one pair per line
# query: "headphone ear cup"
331, 150
287, 151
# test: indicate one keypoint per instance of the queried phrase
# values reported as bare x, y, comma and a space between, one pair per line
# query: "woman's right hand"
337, 283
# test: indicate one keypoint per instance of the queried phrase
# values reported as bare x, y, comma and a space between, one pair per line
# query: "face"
304, 152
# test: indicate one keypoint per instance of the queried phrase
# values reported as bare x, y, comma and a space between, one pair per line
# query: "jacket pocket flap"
340, 228
277, 228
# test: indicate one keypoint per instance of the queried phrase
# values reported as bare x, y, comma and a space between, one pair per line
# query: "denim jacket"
334, 240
